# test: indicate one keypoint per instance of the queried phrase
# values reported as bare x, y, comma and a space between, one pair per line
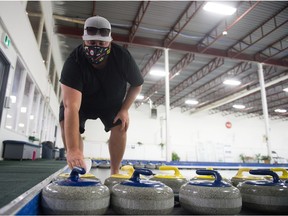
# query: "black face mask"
96, 54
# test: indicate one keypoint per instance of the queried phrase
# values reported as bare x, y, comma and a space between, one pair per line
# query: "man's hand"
124, 117
75, 158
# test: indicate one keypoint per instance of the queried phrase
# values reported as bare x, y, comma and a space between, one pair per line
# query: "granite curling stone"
210, 197
174, 181
265, 196
117, 178
75, 196
239, 177
136, 196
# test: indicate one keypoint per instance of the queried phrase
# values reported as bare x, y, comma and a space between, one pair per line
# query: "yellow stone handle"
240, 172
174, 168
284, 172
128, 168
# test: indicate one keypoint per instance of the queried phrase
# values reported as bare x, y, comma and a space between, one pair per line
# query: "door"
4, 70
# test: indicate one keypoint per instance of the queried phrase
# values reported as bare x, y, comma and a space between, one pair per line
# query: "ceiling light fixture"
285, 89
232, 82
159, 73
238, 106
140, 97
191, 102
280, 110
219, 8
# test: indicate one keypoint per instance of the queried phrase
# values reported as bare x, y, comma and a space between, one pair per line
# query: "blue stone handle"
74, 175
275, 176
136, 174
216, 175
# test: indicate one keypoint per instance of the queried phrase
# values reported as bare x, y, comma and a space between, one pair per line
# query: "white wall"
199, 137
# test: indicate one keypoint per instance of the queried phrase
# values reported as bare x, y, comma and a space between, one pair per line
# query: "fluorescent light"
285, 89
219, 8
31, 117
231, 82
9, 116
8, 126
140, 97
191, 102
23, 109
280, 110
21, 125
160, 73
238, 106
13, 99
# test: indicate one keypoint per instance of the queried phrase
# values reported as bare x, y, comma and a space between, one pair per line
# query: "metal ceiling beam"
217, 31
154, 58
138, 19
158, 44
258, 34
211, 66
184, 62
249, 80
273, 49
185, 18
238, 69
237, 95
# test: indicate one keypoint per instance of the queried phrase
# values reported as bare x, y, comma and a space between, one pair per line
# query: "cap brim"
97, 37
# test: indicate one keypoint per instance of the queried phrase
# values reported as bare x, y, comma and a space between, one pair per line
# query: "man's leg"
117, 144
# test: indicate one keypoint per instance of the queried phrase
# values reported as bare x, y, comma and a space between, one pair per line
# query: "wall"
199, 137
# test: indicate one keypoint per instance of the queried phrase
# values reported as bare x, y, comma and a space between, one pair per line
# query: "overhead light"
31, 117
219, 8
238, 106
280, 110
23, 109
191, 102
160, 73
21, 125
13, 99
9, 126
231, 82
140, 97
285, 89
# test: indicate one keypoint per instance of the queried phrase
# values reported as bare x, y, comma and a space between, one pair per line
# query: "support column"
167, 106
264, 106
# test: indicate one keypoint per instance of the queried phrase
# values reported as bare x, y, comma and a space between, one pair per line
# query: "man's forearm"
71, 127
131, 96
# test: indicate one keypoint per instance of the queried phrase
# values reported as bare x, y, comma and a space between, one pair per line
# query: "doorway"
4, 70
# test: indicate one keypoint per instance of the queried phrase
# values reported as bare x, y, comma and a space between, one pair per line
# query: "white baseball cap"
97, 28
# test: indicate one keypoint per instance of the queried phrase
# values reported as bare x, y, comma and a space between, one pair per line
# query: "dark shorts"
105, 115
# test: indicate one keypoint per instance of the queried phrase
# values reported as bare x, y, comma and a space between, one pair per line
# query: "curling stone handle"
174, 168
74, 175
128, 168
240, 172
275, 176
142, 171
278, 169
216, 175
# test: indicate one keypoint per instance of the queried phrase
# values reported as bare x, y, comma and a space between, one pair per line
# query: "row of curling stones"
265, 195
75, 195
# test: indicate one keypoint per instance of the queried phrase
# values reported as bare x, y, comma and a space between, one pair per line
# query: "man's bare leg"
117, 145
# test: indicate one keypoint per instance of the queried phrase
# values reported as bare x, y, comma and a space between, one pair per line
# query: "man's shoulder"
119, 49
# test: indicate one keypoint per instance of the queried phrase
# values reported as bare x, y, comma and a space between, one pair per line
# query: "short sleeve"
132, 72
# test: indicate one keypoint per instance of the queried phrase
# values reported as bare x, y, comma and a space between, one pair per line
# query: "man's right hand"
75, 158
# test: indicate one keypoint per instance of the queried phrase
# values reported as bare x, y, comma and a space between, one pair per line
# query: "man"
93, 82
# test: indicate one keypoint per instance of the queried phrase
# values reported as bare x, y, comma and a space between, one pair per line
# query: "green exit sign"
6, 40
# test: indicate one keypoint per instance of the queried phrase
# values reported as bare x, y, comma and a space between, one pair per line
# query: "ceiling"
201, 56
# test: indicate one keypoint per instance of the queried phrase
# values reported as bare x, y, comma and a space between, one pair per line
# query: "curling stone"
174, 181
75, 196
117, 178
283, 176
239, 177
136, 196
210, 197
139, 165
264, 195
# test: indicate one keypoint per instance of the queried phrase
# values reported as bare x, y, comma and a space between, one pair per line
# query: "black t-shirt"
105, 87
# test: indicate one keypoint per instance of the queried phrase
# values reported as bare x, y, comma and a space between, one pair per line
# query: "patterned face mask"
96, 54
